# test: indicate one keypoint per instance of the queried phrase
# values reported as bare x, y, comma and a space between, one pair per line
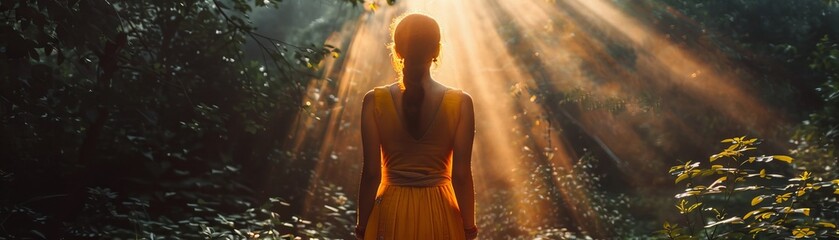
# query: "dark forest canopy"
135, 119
111, 109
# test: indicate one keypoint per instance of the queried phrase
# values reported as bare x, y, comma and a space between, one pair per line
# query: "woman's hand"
359, 233
471, 233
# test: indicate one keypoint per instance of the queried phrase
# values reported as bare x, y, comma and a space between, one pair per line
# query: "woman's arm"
462, 163
371, 174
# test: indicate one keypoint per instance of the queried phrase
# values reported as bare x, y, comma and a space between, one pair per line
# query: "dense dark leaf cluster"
137, 119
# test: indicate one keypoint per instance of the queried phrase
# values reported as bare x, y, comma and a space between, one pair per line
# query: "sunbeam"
594, 119
649, 92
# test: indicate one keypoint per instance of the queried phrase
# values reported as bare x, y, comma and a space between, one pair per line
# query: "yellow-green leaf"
757, 200
783, 158
783, 197
786, 210
826, 224
687, 194
765, 216
682, 177
805, 211
733, 220
755, 231
676, 168
694, 206
802, 232
718, 181
681, 206
753, 212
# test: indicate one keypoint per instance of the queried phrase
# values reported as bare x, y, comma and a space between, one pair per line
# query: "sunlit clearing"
627, 111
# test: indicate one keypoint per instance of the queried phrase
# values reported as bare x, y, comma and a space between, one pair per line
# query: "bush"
742, 196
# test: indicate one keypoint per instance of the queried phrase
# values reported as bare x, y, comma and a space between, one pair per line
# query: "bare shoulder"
370, 95
465, 98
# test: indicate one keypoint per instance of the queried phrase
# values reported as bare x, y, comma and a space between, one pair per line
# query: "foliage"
605, 211
205, 222
758, 35
817, 138
737, 195
548, 190
140, 119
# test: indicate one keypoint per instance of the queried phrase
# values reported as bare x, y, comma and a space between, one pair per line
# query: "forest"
596, 119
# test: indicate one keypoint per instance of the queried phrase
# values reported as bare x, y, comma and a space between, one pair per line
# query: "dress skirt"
415, 213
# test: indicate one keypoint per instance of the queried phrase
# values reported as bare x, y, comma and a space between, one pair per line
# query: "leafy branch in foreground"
742, 196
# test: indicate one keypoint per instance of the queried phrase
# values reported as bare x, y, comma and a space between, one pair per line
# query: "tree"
123, 117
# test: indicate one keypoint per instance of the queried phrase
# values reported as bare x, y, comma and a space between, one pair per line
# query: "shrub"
735, 195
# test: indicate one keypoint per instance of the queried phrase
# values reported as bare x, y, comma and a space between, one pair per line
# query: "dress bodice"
407, 161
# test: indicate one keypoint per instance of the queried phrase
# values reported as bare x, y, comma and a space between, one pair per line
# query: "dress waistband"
414, 179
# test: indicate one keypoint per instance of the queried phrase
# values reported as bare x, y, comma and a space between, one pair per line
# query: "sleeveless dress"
415, 199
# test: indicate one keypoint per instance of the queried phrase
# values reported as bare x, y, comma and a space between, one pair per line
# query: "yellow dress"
415, 199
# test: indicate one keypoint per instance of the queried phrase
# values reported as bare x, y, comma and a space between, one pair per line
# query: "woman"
420, 132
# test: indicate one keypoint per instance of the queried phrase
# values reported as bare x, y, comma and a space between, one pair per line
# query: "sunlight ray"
569, 48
